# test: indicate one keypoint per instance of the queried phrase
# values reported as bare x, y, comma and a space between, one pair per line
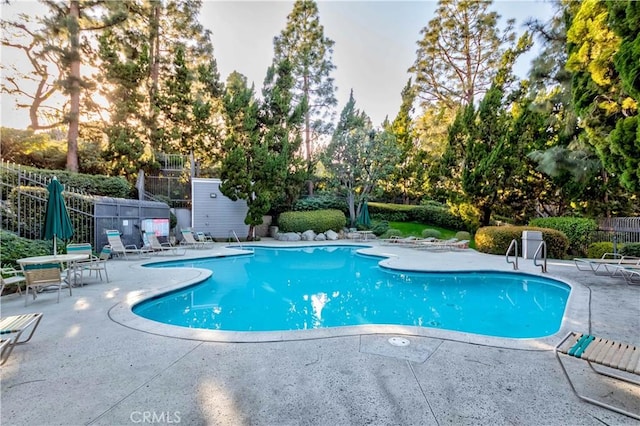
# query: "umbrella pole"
55, 246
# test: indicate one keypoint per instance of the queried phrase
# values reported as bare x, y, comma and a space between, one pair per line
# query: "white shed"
214, 213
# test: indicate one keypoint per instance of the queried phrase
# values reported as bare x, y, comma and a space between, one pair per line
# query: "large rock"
289, 236
308, 235
320, 237
331, 235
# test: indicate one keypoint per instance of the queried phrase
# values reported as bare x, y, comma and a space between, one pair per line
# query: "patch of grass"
415, 229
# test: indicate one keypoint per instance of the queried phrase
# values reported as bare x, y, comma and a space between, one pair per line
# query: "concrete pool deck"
93, 362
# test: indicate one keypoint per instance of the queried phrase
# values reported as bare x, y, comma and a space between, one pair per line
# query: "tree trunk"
352, 208
307, 137
74, 87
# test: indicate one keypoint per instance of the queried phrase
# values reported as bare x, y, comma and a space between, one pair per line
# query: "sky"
375, 44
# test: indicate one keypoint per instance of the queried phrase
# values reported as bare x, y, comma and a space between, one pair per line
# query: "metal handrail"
541, 247
514, 245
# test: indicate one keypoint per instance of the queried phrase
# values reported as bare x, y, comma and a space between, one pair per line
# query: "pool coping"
576, 316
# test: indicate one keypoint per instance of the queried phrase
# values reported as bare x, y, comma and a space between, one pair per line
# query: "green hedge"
496, 240
106, 186
630, 249
14, 247
439, 216
317, 220
578, 230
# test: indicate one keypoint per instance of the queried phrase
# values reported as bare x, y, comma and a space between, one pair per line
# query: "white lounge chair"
599, 266
190, 240
159, 248
118, 247
11, 329
597, 350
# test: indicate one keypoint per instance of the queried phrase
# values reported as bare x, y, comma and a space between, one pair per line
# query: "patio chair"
201, 236
598, 265
159, 248
119, 248
39, 275
189, 240
16, 278
604, 352
98, 263
76, 268
11, 329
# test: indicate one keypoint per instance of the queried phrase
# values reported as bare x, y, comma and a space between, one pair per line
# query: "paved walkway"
90, 363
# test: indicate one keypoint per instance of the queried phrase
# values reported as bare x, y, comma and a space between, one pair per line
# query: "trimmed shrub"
496, 240
317, 220
578, 230
596, 250
431, 233
463, 235
631, 249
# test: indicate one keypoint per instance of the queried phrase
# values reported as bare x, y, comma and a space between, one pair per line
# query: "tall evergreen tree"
304, 44
358, 157
405, 178
459, 52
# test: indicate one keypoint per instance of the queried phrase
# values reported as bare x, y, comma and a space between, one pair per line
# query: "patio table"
69, 259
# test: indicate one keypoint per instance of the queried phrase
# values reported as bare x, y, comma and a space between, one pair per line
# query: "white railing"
513, 246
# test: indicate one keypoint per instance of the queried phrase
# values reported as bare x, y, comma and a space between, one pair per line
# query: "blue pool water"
330, 286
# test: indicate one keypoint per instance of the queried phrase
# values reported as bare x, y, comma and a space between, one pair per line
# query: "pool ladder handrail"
513, 246
542, 249
235, 236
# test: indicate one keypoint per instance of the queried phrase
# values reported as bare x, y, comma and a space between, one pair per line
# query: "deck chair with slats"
189, 240
11, 329
604, 352
160, 248
42, 275
119, 248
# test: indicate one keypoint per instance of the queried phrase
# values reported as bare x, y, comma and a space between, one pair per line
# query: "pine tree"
459, 52
304, 44
358, 157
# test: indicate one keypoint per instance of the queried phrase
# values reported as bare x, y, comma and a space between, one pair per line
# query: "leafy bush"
14, 247
596, 250
496, 240
463, 235
631, 249
578, 230
318, 221
391, 232
379, 228
431, 233
321, 202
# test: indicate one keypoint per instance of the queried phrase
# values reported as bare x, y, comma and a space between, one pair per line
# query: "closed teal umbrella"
57, 223
364, 218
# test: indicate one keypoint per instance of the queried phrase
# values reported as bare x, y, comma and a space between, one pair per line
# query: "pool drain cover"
399, 341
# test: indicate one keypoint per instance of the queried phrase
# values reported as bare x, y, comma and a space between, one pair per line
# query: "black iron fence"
23, 202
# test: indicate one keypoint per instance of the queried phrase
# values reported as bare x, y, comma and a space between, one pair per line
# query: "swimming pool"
332, 286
